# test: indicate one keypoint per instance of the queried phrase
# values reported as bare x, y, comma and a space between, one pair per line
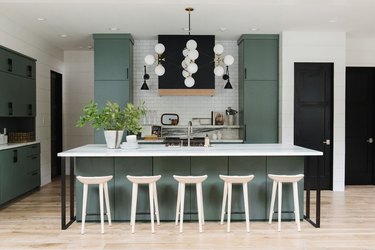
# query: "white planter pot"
131, 139
113, 138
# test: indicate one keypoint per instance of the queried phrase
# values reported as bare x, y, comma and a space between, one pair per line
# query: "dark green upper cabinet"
15, 63
113, 56
259, 87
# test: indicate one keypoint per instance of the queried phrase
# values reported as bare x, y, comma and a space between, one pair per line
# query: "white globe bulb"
218, 71
192, 68
159, 48
193, 54
185, 52
189, 81
218, 49
149, 59
183, 64
228, 60
185, 73
187, 61
191, 44
159, 70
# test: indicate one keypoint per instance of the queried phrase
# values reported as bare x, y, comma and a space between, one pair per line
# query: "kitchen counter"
16, 145
154, 159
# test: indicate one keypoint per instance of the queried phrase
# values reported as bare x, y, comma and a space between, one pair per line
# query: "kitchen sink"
183, 141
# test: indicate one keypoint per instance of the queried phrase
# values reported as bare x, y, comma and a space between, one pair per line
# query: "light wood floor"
348, 222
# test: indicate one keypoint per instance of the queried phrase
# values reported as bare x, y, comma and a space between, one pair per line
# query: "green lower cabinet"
137, 166
8, 175
167, 186
94, 166
212, 187
256, 188
286, 165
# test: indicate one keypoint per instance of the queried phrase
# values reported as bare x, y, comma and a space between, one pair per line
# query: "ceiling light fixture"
41, 19
63, 35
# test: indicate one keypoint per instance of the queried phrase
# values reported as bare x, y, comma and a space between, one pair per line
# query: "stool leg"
229, 206
246, 202
182, 197
84, 205
273, 197
225, 194
178, 202
134, 206
106, 197
151, 195
156, 205
279, 206
101, 207
199, 205
296, 205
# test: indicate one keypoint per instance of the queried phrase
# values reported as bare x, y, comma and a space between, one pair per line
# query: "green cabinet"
19, 171
113, 71
259, 88
17, 84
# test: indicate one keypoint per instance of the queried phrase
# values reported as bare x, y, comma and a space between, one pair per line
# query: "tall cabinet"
258, 87
113, 67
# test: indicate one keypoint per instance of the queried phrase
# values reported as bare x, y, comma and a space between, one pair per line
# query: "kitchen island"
230, 159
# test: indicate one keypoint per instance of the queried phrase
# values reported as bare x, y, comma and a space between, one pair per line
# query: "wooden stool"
228, 181
151, 181
102, 182
182, 180
278, 180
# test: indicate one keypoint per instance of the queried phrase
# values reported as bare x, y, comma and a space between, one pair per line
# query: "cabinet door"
112, 59
137, 166
167, 185
261, 111
8, 90
261, 59
8, 164
26, 98
6, 61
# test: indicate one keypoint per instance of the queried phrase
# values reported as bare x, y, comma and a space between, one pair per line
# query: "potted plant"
113, 120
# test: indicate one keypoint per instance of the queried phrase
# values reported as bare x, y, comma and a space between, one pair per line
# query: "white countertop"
16, 145
100, 150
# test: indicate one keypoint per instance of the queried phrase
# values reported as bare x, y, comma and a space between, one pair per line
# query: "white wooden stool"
102, 182
182, 180
278, 180
151, 181
228, 181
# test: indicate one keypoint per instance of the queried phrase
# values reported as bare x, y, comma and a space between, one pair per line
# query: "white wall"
315, 47
360, 51
48, 58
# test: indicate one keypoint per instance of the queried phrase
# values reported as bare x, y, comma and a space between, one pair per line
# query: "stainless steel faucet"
189, 131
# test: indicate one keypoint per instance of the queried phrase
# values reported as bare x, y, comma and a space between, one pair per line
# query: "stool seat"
182, 180
151, 181
228, 181
278, 181
102, 181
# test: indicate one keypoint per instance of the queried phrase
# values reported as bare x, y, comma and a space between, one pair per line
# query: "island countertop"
100, 150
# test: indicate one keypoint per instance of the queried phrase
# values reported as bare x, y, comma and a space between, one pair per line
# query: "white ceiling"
145, 19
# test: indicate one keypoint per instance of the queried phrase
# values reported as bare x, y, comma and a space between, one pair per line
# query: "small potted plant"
113, 120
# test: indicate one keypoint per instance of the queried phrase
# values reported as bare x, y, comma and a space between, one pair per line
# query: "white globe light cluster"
188, 64
151, 59
228, 60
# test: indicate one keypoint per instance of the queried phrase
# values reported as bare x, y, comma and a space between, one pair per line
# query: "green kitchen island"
228, 159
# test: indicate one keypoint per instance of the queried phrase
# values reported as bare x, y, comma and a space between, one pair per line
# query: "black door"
313, 106
359, 126
56, 123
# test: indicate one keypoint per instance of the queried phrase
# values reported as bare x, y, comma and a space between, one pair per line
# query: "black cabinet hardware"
15, 156
29, 71
10, 108
30, 109
245, 74
10, 65
127, 73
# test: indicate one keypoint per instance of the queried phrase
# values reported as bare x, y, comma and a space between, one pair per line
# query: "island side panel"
136, 166
212, 187
94, 166
167, 186
256, 188
286, 165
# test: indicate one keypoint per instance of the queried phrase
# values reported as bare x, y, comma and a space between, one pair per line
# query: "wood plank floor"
348, 222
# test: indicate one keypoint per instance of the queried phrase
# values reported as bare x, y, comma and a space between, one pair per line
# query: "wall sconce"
151, 59
145, 78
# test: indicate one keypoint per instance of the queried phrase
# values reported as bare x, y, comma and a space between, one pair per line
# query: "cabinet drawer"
33, 179
31, 150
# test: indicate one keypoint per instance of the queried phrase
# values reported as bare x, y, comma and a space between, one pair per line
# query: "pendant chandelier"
189, 66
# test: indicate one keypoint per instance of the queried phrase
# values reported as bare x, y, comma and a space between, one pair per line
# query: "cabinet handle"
34, 146
15, 156
30, 109
127, 73
245, 73
29, 71
10, 65
245, 133
10, 108
34, 157
34, 174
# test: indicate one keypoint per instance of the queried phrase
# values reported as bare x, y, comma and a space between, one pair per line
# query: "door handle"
370, 140
327, 142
